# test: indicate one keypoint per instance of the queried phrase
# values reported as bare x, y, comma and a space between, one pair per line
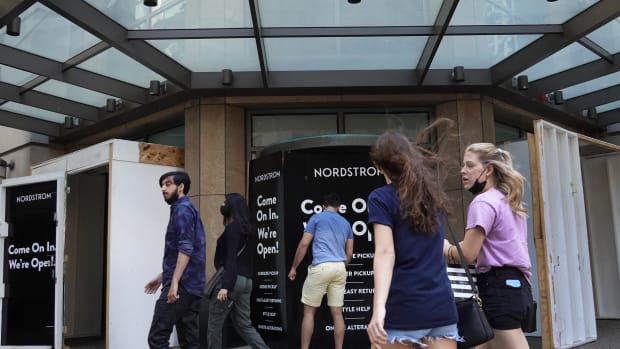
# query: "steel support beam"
10, 9
432, 44
570, 77
260, 44
30, 124
103, 27
593, 99
48, 102
577, 27
596, 49
325, 32
609, 118
76, 76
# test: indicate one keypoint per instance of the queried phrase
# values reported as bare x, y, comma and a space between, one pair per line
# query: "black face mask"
225, 210
478, 186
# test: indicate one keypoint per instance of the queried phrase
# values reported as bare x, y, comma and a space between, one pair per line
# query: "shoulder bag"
473, 324
217, 277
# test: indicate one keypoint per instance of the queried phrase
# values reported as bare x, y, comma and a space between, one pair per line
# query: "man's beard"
172, 199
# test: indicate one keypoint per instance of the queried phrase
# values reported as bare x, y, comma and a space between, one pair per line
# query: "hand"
153, 285
376, 333
173, 293
446, 246
292, 274
222, 295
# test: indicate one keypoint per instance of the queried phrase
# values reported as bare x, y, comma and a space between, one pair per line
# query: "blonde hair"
507, 180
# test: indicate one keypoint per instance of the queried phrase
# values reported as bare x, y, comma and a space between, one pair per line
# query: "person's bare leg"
507, 339
440, 343
307, 326
338, 326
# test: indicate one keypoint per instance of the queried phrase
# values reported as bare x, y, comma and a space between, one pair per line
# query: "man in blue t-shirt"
332, 250
183, 275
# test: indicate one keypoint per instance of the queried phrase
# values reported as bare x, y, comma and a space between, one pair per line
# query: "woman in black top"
234, 253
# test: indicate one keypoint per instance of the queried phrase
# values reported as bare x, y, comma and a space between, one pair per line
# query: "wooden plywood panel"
161, 155
541, 245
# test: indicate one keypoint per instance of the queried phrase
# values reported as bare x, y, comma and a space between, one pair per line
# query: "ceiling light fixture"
13, 28
520, 82
150, 3
157, 88
112, 105
354, 1
458, 73
71, 122
227, 77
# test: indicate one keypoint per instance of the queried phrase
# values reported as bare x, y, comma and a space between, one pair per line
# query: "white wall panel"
565, 230
137, 225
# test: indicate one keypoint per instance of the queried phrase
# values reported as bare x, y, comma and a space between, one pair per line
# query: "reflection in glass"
174, 137
210, 55
350, 53
269, 129
34, 112
478, 52
15, 76
508, 12
376, 123
177, 14
329, 13
47, 34
116, 64
72, 92
592, 85
568, 57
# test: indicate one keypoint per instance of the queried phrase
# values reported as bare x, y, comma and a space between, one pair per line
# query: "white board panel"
565, 231
126, 150
137, 224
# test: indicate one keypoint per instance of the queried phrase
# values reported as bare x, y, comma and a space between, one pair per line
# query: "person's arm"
232, 236
302, 249
152, 286
182, 262
349, 250
471, 245
383, 266
185, 226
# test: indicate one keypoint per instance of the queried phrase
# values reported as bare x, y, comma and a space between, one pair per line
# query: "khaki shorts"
330, 278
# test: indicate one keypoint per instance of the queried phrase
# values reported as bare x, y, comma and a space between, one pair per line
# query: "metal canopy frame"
184, 84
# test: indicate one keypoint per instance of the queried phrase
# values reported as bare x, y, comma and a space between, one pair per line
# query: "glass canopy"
69, 58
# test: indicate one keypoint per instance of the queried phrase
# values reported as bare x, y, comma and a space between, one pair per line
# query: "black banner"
266, 204
305, 176
29, 265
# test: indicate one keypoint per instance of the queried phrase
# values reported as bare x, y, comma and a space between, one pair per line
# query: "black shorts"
506, 298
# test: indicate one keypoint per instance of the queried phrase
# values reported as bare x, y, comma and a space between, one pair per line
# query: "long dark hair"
414, 171
238, 210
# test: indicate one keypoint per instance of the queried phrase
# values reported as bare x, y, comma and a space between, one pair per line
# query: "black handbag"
473, 324
217, 277
213, 280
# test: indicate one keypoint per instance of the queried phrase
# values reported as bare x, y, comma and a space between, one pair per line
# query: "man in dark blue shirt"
183, 275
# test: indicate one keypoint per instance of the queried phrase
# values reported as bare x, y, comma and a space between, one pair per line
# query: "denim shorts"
428, 334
